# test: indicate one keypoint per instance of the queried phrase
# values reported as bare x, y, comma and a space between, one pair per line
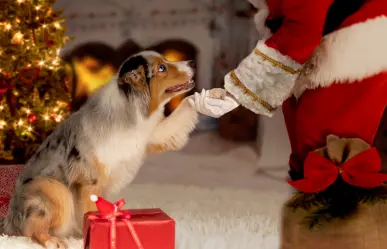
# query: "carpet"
217, 218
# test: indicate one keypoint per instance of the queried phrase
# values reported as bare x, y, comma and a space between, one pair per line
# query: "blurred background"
240, 148
217, 34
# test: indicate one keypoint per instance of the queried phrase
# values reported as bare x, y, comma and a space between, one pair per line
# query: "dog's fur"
99, 149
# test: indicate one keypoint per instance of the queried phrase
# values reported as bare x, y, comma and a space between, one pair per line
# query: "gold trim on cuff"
276, 63
245, 90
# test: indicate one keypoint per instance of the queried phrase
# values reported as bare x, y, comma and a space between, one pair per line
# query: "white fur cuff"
263, 80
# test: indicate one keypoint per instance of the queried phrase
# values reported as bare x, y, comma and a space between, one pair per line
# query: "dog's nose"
191, 63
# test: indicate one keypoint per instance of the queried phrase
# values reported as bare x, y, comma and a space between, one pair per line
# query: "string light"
17, 38
34, 119
58, 118
2, 124
8, 26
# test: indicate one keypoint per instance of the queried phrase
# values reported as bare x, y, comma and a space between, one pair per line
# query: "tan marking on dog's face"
175, 74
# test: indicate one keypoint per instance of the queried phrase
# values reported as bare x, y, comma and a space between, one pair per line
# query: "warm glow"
41, 63
28, 111
29, 128
1, 107
17, 38
2, 124
173, 55
46, 117
20, 1
89, 79
57, 25
56, 109
44, 25
20, 123
37, 7
8, 26
58, 118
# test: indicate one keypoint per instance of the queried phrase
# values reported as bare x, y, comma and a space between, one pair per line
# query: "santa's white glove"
214, 103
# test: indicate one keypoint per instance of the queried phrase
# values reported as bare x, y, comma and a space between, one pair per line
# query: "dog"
100, 148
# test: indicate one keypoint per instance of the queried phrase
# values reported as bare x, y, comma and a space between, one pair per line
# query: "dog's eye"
162, 68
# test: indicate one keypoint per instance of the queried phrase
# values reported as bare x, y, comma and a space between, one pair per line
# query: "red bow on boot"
360, 171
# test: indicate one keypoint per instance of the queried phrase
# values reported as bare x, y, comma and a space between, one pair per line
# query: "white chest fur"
123, 153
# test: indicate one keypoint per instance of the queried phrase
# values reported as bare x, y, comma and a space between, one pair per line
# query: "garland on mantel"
152, 13
138, 24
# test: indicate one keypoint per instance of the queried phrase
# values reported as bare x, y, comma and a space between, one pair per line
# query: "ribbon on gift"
360, 171
113, 216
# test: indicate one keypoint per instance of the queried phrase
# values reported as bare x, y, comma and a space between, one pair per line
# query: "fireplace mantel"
149, 22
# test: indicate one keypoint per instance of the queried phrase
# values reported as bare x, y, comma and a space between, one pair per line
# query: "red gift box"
129, 229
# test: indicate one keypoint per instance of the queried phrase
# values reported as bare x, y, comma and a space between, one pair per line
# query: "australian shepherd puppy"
100, 148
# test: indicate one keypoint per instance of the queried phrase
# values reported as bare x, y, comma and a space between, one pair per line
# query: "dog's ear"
133, 75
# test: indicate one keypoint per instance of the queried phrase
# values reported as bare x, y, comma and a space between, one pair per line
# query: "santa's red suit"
325, 64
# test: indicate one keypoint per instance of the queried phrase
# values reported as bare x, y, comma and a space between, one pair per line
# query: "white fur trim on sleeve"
260, 17
260, 83
347, 55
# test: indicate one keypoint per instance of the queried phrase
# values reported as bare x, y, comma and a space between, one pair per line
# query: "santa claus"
325, 63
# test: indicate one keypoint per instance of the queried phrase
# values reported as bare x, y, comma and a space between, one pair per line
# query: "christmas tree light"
34, 96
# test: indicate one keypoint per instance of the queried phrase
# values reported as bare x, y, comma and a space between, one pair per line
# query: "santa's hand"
214, 103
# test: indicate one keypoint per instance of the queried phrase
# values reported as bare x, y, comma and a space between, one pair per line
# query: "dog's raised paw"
55, 243
217, 93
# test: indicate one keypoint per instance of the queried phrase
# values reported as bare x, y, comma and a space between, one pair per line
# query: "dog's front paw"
55, 243
217, 93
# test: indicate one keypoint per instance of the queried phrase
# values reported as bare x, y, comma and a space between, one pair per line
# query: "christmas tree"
34, 96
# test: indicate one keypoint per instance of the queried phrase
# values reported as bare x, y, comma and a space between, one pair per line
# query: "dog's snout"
191, 64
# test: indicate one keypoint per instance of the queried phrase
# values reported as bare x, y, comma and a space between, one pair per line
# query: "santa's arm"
265, 78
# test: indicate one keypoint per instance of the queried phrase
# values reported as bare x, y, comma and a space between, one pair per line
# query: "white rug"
205, 218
